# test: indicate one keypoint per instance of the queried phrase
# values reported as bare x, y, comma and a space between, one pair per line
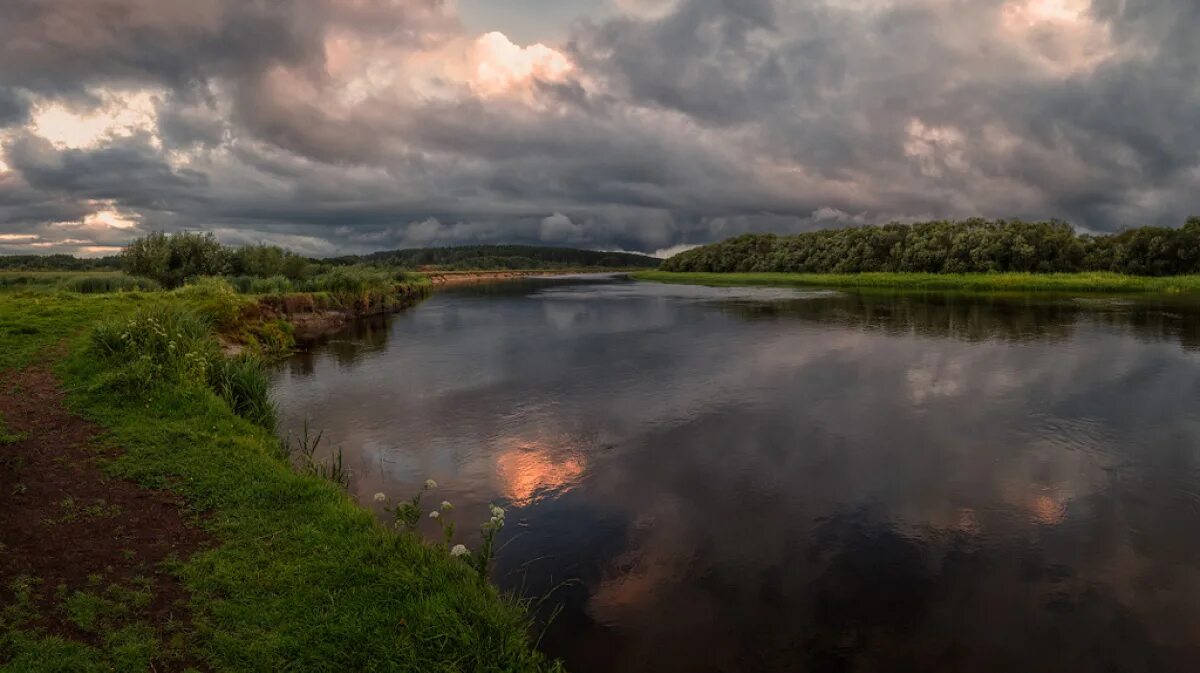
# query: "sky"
346, 126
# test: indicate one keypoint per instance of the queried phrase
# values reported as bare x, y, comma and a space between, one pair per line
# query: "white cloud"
121, 113
664, 253
559, 228
503, 67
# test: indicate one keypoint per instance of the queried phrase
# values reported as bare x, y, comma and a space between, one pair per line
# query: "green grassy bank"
977, 282
298, 576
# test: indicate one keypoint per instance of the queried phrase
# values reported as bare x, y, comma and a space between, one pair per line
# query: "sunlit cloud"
111, 219
121, 114
504, 67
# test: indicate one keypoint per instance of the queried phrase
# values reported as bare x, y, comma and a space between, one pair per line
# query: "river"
704, 479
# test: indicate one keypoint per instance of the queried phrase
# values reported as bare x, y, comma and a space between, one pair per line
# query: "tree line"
171, 259
969, 246
524, 257
58, 262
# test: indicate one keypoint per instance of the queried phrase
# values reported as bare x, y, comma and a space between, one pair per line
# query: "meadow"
290, 572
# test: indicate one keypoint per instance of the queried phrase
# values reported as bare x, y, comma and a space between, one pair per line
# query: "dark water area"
702, 479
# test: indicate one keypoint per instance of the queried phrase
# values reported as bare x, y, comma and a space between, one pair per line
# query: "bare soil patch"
71, 527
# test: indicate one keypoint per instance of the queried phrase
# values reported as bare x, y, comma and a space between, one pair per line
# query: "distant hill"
474, 257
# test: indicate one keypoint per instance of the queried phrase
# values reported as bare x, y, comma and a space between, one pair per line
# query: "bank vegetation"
968, 247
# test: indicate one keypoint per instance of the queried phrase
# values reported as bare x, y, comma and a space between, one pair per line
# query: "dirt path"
88, 552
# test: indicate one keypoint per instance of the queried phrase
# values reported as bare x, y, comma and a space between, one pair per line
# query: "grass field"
298, 576
976, 282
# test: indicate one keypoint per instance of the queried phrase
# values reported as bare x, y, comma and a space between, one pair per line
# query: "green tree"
172, 259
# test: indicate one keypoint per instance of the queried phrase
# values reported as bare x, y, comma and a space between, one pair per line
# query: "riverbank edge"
1109, 283
300, 577
450, 278
311, 316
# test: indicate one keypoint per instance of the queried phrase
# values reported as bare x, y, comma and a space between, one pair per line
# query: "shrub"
111, 283
240, 284
171, 260
265, 261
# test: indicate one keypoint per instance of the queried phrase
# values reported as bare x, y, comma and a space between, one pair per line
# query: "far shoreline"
448, 278
1084, 282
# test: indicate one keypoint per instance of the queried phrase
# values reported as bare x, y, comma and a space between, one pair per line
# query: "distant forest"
971, 246
464, 258
475, 257
58, 263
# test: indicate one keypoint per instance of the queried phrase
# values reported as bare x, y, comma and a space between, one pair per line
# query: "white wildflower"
434, 514
459, 550
429, 483
447, 506
379, 497
497, 512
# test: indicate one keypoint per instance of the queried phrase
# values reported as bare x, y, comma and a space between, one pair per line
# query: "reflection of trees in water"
370, 334
983, 317
348, 347
932, 600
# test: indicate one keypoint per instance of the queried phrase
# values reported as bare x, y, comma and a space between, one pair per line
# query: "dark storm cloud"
14, 107
349, 125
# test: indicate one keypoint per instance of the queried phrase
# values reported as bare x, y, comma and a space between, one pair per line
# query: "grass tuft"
242, 382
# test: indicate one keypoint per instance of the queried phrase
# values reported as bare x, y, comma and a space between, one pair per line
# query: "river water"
704, 479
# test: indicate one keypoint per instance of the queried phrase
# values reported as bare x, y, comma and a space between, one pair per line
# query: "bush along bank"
294, 574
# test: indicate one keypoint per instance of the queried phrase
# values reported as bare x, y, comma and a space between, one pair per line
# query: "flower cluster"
408, 515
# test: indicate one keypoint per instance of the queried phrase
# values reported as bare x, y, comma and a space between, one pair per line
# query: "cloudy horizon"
346, 126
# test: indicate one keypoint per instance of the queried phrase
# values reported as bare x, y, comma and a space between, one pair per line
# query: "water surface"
704, 479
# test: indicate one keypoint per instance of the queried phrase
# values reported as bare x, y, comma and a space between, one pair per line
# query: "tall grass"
303, 453
356, 287
167, 344
110, 283
159, 343
20, 280
214, 297
242, 382
256, 285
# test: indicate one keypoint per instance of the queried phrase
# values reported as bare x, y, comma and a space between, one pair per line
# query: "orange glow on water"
529, 468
